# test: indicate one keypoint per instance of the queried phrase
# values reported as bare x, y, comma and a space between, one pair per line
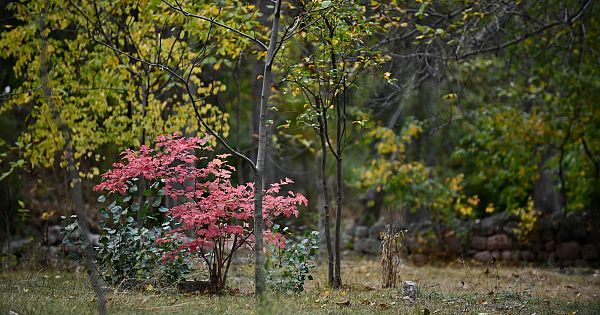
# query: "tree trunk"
325, 192
259, 271
340, 119
77, 195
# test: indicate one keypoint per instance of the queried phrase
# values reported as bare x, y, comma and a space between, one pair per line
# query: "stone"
409, 289
550, 246
17, 246
479, 242
526, 255
498, 242
542, 256
589, 252
54, 235
510, 256
509, 228
563, 235
534, 236
568, 250
368, 246
94, 239
495, 222
453, 245
497, 254
484, 256
361, 231
376, 230
547, 235
579, 234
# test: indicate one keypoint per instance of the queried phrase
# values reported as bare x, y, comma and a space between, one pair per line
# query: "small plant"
391, 251
211, 218
288, 268
128, 248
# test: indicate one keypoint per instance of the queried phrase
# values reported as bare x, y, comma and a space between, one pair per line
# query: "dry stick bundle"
391, 250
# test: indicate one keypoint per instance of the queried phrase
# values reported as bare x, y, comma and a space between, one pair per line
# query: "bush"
211, 218
288, 268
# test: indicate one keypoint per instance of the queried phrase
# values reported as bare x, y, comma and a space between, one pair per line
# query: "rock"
568, 250
509, 228
376, 230
550, 246
17, 246
419, 259
547, 235
409, 289
589, 252
493, 224
526, 255
484, 256
453, 245
497, 254
579, 234
510, 256
563, 235
537, 247
54, 235
534, 236
479, 242
498, 242
361, 231
368, 246
94, 239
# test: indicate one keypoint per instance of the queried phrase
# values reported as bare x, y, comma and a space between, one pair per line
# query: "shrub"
288, 268
213, 215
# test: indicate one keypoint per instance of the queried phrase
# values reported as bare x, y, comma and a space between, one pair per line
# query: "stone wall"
572, 240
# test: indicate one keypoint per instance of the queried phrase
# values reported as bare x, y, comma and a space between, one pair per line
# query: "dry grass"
454, 289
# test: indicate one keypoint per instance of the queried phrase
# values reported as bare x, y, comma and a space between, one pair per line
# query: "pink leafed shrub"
215, 216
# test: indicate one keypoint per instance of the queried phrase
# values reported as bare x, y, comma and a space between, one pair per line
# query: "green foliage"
128, 248
411, 184
290, 267
129, 234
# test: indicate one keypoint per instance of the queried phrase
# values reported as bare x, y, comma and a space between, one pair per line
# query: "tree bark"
325, 192
77, 195
259, 261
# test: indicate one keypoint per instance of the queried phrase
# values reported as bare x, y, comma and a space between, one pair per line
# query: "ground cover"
454, 289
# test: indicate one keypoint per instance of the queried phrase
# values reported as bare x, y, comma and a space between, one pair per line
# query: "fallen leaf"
343, 303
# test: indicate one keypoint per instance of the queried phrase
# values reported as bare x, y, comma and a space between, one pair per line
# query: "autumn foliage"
214, 214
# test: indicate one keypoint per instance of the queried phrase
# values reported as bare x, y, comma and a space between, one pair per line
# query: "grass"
454, 289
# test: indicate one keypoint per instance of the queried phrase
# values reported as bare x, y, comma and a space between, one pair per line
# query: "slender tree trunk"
337, 274
340, 120
82, 221
259, 260
325, 192
77, 195
337, 152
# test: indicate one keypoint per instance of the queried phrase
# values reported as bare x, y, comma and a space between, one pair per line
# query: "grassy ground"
455, 289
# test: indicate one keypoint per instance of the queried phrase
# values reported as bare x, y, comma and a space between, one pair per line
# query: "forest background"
440, 110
